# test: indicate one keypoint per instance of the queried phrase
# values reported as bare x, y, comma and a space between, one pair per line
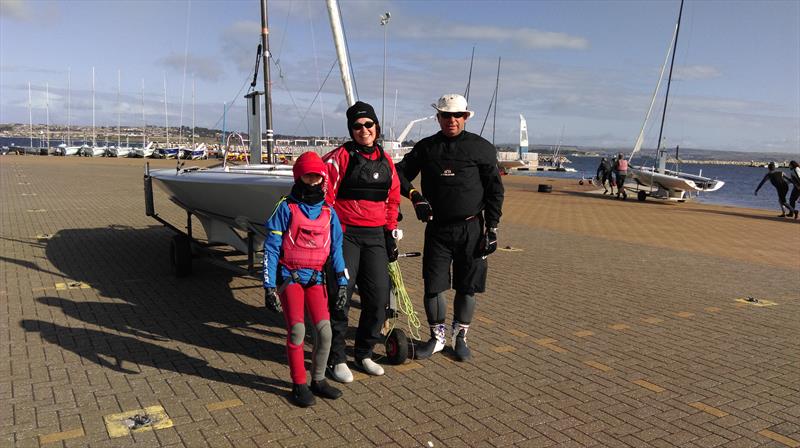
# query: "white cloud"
696, 72
238, 42
202, 67
15, 10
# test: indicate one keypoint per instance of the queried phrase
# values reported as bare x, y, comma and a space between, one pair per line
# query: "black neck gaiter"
309, 194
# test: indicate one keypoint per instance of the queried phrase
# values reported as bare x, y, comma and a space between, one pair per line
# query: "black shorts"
454, 244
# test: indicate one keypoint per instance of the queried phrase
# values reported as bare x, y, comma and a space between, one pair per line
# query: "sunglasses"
447, 115
358, 126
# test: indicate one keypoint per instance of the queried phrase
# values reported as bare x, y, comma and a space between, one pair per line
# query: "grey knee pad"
435, 308
322, 348
297, 333
464, 308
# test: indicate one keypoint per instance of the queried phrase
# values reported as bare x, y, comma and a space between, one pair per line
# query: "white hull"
72, 150
673, 184
240, 198
120, 152
96, 151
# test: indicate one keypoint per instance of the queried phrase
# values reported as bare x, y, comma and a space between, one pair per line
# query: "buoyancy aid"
622, 165
366, 179
308, 241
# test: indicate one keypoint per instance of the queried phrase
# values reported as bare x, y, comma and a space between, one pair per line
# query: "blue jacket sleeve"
276, 225
336, 248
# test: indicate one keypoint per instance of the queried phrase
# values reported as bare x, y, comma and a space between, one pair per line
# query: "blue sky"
588, 67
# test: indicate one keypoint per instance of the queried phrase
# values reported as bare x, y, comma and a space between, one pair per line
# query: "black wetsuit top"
459, 177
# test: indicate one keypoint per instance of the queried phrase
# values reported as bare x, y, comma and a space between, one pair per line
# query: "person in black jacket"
604, 174
461, 202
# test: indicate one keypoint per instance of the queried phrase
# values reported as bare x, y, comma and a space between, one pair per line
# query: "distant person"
302, 233
620, 172
778, 180
794, 179
604, 174
464, 192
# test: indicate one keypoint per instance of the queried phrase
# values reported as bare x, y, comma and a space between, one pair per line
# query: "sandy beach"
606, 323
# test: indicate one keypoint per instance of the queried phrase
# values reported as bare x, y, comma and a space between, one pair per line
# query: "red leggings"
295, 300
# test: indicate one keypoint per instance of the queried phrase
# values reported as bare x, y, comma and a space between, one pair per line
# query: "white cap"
452, 102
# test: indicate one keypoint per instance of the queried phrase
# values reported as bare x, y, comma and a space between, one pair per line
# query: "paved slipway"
609, 323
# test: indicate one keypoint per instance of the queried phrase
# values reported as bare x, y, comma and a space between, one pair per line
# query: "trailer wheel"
397, 347
641, 196
180, 255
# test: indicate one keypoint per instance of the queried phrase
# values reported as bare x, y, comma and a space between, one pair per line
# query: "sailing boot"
435, 344
460, 342
302, 396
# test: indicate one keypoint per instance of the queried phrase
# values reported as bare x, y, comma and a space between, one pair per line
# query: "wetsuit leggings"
621, 183
782, 191
794, 196
295, 300
364, 252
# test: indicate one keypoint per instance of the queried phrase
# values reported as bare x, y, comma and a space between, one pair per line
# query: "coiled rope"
404, 304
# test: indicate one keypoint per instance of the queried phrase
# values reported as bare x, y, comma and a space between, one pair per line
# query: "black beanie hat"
360, 110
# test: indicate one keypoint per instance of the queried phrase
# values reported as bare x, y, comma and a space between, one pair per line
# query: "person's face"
365, 131
311, 179
452, 123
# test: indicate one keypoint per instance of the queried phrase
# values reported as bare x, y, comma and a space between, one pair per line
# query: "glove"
391, 245
341, 298
272, 301
489, 242
421, 206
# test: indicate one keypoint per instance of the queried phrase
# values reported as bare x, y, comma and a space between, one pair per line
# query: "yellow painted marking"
220, 405
29, 194
518, 333
545, 341
408, 366
485, 320
649, 385
779, 438
712, 309
117, 427
598, 366
761, 302
59, 436
708, 409
72, 285
684, 314
504, 349
36, 210
509, 249
43, 236
652, 320
583, 333
619, 327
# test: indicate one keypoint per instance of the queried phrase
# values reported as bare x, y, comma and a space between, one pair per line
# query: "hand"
489, 243
341, 298
421, 207
755, 193
391, 245
272, 301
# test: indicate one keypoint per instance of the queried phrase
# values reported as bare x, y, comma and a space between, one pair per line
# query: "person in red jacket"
365, 192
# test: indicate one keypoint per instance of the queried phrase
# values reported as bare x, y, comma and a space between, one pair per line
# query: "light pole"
384, 22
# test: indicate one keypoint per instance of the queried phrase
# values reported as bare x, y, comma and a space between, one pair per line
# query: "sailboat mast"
669, 78
341, 51
469, 78
193, 110
267, 84
69, 106
144, 122
166, 115
94, 133
496, 95
30, 114
119, 121
47, 114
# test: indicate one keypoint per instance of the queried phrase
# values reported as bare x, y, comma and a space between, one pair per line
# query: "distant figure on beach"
462, 208
604, 175
778, 180
794, 179
620, 172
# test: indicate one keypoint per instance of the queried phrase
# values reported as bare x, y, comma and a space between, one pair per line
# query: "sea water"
740, 182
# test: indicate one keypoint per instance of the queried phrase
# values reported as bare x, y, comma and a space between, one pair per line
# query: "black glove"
272, 301
421, 207
341, 298
391, 245
489, 242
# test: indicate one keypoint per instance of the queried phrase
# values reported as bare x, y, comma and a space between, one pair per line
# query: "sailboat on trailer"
658, 181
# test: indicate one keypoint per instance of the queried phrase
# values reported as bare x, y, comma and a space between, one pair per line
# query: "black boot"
322, 389
460, 342
435, 344
302, 396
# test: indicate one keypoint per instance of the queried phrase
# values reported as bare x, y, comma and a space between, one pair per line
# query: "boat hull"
674, 185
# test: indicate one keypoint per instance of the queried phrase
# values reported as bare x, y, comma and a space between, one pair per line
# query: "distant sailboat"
659, 181
94, 150
68, 149
506, 160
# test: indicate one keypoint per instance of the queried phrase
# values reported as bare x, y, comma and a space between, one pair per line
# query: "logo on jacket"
376, 176
448, 173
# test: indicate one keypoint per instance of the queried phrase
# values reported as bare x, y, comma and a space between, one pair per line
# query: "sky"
581, 72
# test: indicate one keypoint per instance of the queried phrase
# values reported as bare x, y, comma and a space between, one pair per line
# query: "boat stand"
183, 245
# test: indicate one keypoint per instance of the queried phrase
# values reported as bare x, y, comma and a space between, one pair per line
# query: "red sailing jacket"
360, 212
